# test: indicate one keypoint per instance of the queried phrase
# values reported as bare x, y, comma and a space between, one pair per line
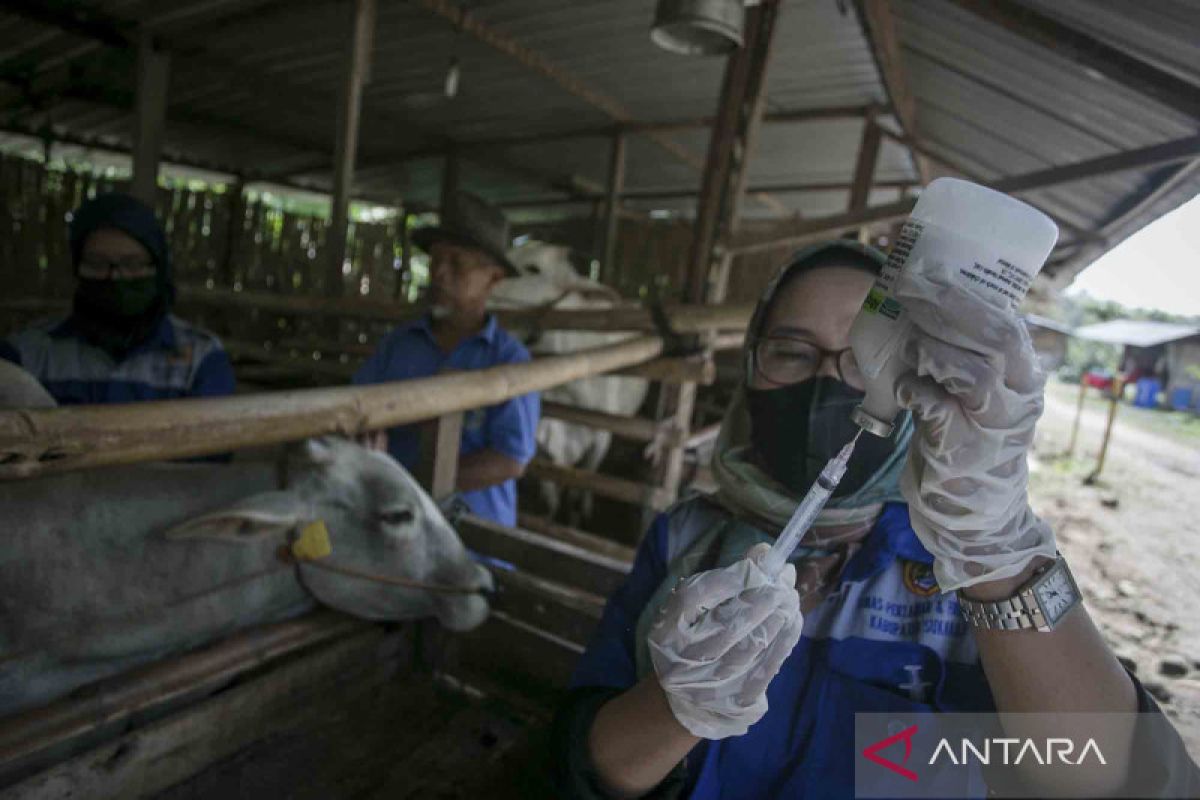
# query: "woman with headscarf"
120, 342
709, 678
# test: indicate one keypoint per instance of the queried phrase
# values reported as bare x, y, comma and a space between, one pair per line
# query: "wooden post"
736, 127
405, 277
1113, 402
233, 230
150, 118
864, 169
675, 404
437, 469
612, 206
449, 182
1078, 414
358, 63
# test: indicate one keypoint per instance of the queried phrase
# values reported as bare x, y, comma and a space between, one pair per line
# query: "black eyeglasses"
783, 360
91, 266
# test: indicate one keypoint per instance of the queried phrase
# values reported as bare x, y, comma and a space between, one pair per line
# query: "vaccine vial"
990, 243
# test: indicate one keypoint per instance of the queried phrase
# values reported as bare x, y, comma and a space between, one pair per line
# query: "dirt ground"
1131, 537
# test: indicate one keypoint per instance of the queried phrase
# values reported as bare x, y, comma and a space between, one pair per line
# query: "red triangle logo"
872, 752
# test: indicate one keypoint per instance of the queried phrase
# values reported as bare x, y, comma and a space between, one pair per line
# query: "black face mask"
118, 315
796, 429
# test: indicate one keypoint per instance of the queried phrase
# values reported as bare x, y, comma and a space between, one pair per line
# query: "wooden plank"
508, 649
879, 27
158, 755
545, 556
437, 465
345, 148
43, 441
1117, 65
559, 610
700, 369
109, 704
638, 494
150, 119
588, 541
864, 167
731, 144
635, 428
612, 205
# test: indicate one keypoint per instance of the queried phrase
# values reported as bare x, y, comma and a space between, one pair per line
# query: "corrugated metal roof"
1137, 333
254, 83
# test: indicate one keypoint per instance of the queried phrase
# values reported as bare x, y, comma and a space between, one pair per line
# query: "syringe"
806, 513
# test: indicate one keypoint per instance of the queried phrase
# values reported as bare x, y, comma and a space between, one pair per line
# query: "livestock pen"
147, 730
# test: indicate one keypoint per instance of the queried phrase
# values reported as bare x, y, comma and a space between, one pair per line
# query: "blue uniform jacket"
177, 360
510, 427
885, 639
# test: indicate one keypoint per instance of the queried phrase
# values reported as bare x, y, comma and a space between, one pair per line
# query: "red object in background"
1098, 380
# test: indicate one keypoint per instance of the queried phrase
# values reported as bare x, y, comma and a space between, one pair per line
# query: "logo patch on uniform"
918, 579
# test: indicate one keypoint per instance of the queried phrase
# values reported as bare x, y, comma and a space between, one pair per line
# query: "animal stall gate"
321, 704
297, 363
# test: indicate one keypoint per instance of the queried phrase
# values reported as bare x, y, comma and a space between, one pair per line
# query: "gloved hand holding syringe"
808, 509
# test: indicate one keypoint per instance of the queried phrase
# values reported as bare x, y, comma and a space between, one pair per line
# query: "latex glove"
719, 640
976, 391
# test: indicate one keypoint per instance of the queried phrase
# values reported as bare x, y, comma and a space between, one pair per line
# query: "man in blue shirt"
120, 342
467, 260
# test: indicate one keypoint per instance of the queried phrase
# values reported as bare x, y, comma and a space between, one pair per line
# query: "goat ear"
318, 450
246, 521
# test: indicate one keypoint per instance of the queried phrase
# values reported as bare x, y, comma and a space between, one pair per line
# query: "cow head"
379, 521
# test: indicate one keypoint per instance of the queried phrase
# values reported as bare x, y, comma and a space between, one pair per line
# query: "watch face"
1055, 594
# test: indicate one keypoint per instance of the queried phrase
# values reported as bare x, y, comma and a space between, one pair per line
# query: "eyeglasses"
100, 267
783, 360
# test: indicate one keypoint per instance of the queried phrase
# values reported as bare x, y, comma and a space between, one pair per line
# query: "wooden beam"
345, 147
471, 25
879, 26
1117, 65
1171, 152
633, 428
612, 205
739, 111
1174, 151
700, 369
544, 556
437, 462
449, 184
632, 492
689, 193
864, 168
114, 702
157, 755
588, 541
150, 118
43, 441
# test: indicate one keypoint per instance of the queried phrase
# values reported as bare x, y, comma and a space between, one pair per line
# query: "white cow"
105, 569
549, 281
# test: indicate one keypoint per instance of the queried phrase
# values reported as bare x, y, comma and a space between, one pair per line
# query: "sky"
1156, 268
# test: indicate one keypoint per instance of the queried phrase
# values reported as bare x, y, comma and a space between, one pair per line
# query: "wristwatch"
1039, 604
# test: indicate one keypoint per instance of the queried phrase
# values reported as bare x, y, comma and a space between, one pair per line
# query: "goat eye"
401, 516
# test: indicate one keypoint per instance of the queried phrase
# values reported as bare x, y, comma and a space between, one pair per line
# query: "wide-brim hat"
472, 222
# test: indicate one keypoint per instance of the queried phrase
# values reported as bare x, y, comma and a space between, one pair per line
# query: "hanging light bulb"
698, 27
450, 87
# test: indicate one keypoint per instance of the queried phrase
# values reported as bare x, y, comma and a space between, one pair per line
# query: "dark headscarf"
119, 334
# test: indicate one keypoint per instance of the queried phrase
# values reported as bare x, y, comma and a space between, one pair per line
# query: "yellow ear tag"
313, 542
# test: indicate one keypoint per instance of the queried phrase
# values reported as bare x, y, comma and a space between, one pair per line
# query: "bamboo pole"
1078, 414
698, 369
45, 441
1113, 403
579, 538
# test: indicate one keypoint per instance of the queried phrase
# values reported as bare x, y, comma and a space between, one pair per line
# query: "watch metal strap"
1012, 613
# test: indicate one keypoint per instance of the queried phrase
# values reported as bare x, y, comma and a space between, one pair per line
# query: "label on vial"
880, 301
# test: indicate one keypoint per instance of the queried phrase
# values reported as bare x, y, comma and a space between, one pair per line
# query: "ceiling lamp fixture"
698, 27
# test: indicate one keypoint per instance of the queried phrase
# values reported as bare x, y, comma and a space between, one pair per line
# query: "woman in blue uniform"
709, 678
